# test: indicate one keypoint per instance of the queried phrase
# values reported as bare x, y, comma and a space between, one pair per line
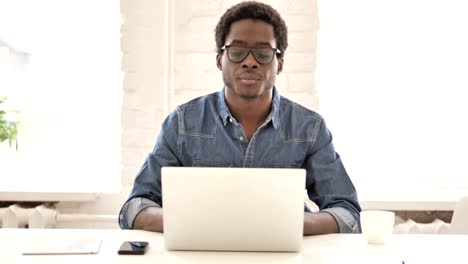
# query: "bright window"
393, 85
60, 67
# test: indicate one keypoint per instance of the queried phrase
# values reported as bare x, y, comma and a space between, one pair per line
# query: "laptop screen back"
233, 209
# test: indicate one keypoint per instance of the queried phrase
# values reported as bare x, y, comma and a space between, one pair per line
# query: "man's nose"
250, 61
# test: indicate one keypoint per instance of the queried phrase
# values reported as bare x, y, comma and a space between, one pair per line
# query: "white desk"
334, 248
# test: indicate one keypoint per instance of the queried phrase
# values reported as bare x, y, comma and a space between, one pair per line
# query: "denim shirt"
203, 133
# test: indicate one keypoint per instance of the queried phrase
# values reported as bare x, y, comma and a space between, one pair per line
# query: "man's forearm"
319, 223
150, 219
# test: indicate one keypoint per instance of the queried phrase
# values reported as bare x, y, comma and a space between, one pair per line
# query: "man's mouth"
249, 78
248, 81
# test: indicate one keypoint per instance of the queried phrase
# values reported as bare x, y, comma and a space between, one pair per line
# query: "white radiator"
411, 227
42, 216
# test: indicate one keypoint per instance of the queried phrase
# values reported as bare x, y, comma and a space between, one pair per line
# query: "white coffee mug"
377, 226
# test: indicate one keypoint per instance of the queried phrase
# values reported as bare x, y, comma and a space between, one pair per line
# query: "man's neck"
251, 113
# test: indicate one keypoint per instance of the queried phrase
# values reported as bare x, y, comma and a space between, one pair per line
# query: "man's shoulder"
199, 103
193, 115
289, 108
200, 111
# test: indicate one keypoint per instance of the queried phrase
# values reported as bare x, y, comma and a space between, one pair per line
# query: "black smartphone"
133, 248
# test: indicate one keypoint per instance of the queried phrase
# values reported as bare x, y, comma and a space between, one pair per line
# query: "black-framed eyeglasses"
262, 55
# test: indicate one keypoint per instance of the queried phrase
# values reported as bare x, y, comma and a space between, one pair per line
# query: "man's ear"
280, 66
218, 62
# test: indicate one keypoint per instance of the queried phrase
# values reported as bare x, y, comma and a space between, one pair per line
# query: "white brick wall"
142, 45
193, 67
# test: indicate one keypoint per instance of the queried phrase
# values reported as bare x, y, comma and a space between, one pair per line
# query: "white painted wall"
168, 57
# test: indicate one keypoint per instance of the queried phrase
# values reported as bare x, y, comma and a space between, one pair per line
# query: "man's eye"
236, 53
263, 55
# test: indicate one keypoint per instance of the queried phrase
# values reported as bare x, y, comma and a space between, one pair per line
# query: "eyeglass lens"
238, 54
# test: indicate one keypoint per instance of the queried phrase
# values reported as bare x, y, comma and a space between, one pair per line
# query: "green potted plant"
8, 128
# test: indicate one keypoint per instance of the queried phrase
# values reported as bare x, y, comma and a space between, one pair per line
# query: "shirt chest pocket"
207, 152
290, 155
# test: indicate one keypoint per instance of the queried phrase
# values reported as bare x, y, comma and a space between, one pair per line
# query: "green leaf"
8, 128
3, 134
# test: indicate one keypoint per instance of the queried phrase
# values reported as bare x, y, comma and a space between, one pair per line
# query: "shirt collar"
275, 108
226, 114
223, 109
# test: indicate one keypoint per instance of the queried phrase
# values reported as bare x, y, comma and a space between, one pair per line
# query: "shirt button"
241, 138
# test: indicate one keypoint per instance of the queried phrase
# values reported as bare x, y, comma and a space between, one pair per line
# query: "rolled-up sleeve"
346, 222
328, 184
131, 209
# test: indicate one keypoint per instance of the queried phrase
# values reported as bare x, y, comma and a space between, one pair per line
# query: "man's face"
249, 79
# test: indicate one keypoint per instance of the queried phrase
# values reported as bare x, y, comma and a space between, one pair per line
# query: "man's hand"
150, 219
319, 223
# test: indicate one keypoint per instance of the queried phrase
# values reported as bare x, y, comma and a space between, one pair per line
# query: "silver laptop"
233, 209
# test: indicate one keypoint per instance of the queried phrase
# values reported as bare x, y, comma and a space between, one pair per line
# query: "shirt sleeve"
328, 184
131, 209
147, 185
344, 218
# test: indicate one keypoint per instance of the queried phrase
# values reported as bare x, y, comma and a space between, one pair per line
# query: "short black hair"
252, 10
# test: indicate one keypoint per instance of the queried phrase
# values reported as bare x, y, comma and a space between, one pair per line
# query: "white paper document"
62, 247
